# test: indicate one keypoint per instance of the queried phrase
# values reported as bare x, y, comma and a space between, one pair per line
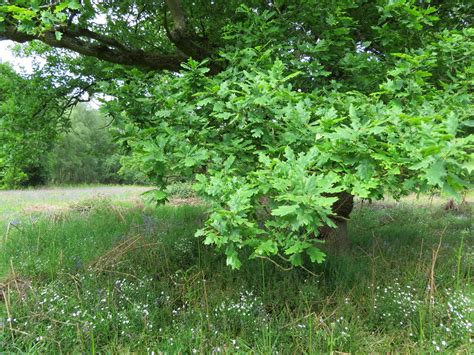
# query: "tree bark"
105, 47
338, 238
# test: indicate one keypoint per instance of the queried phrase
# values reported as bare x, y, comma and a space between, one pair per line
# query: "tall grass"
107, 279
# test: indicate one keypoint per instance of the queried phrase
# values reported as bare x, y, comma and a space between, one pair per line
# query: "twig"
298, 320
275, 263
8, 313
206, 300
5, 237
431, 274
117, 211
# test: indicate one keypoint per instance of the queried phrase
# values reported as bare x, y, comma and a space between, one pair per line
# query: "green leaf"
468, 123
296, 260
60, 7
365, 169
316, 255
212, 238
284, 210
232, 258
58, 35
436, 172
452, 123
228, 162
268, 247
200, 233
451, 192
157, 196
74, 5
296, 248
469, 165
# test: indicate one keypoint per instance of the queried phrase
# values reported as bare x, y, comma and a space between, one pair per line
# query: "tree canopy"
281, 110
32, 113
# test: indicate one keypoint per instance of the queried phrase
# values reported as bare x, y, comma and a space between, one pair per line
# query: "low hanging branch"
104, 47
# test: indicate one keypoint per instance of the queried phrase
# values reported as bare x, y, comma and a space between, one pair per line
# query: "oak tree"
282, 111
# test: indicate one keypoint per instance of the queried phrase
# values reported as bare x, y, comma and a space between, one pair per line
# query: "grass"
108, 278
52, 199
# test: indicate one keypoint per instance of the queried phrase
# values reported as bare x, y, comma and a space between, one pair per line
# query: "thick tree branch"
183, 37
77, 31
106, 48
89, 43
179, 18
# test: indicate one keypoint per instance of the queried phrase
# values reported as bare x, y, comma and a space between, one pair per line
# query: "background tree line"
38, 146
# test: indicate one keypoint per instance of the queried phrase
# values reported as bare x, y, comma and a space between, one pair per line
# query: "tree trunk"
338, 238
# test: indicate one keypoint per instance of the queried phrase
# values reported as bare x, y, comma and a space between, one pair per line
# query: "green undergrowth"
115, 279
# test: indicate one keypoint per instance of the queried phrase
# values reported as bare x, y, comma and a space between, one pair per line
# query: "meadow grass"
54, 198
106, 278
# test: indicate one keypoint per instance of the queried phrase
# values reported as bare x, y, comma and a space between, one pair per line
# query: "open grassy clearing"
54, 198
107, 277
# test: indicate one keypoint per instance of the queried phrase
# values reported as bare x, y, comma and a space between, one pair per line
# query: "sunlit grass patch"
54, 198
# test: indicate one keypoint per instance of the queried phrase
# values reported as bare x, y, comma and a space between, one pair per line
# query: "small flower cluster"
396, 305
247, 305
122, 307
247, 309
402, 306
454, 316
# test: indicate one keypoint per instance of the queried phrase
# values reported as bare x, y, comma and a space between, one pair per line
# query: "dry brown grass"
114, 256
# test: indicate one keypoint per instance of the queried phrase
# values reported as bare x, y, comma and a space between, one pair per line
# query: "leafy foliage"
30, 118
275, 108
271, 157
87, 153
